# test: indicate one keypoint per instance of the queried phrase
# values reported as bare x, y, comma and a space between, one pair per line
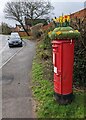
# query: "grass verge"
46, 106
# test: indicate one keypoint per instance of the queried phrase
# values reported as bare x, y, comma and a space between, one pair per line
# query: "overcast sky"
60, 6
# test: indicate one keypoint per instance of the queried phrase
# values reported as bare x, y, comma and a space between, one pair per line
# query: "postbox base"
64, 99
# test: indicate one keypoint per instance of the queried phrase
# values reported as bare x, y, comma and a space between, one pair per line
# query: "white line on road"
11, 57
3, 48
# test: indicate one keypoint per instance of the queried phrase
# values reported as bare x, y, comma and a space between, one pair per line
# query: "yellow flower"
76, 30
58, 33
63, 19
49, 33
68, 18
57, 19
60, 19
54, 19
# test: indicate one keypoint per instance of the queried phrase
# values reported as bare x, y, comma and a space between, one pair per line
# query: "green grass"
47, 107
27, 37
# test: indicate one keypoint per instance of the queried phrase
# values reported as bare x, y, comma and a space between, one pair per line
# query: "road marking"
3, 48
11, 57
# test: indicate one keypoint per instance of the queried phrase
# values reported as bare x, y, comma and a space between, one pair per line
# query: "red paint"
63, 51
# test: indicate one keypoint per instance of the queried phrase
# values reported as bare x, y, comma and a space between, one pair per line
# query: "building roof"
79, 14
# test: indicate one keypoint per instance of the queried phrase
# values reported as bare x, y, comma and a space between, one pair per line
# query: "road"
16, 66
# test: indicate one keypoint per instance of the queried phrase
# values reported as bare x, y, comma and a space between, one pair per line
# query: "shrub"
80, 54
36, 30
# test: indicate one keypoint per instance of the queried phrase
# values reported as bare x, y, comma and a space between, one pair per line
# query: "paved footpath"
17, 101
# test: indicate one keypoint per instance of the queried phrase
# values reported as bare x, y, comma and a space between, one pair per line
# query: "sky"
60, 6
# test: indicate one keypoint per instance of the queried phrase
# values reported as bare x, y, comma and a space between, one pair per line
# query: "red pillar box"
63, 58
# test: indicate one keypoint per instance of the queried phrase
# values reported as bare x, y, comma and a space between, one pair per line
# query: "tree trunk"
24, 28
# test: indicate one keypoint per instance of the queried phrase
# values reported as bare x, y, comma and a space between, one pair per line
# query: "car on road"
15, 40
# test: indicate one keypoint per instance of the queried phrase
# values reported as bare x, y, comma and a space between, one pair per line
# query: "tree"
36, 9
5, 29
30, 9
13, 11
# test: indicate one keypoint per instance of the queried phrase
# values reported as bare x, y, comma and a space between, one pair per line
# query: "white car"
15, 40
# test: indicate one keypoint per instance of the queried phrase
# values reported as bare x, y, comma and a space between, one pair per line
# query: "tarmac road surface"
17, 100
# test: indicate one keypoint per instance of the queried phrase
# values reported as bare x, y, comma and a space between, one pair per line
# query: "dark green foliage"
5, 29
33, 22
47, 41
80, 65
80, 53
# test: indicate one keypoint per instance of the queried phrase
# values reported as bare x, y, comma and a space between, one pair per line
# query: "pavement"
17, 99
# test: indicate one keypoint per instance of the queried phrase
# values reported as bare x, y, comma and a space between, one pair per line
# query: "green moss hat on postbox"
64, 33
